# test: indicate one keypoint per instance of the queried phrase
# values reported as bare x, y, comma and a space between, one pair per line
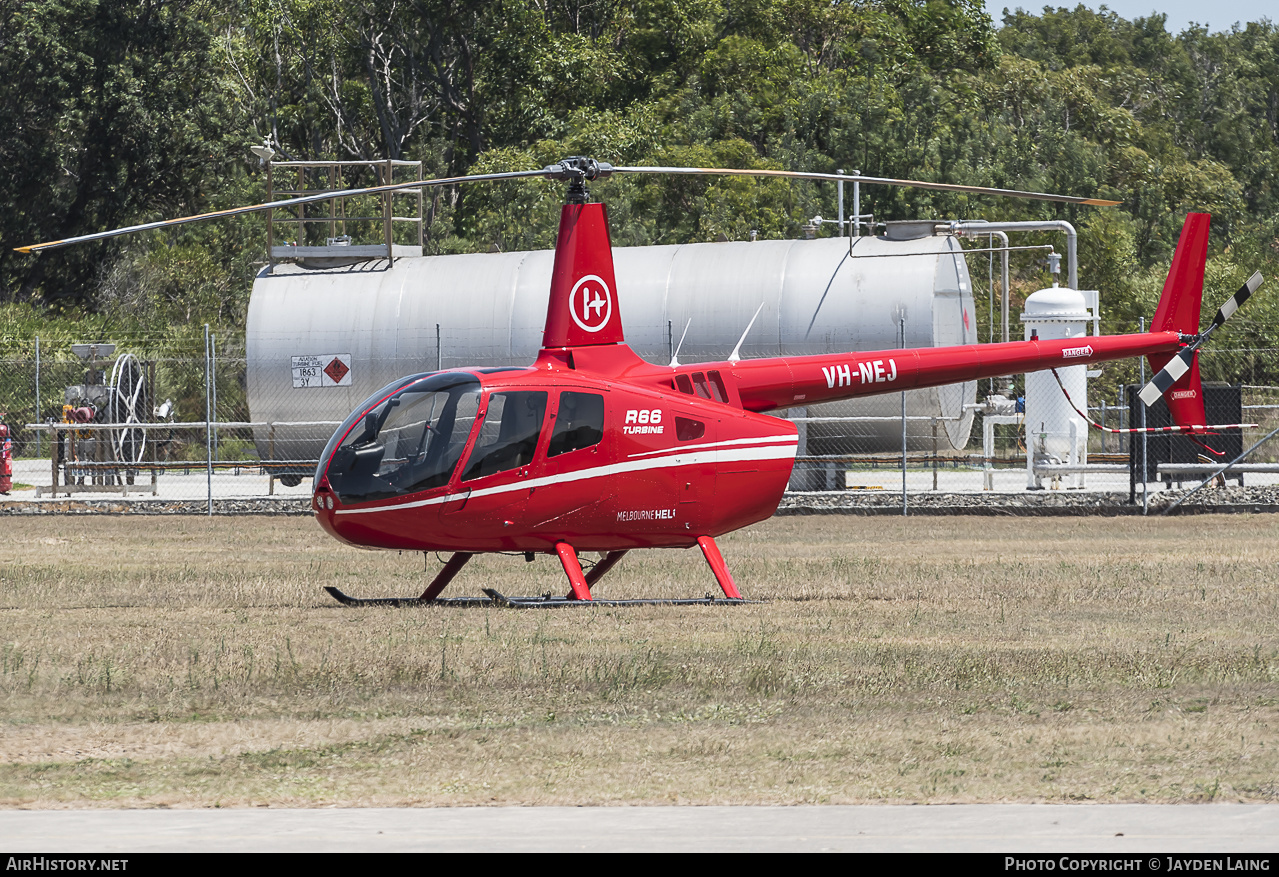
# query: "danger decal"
325, 370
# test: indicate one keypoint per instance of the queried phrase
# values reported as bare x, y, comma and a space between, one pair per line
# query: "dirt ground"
192, 662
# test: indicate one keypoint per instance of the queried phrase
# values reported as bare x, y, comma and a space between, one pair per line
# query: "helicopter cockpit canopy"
405, 438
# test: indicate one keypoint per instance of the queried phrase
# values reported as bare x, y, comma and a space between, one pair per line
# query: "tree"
110, 112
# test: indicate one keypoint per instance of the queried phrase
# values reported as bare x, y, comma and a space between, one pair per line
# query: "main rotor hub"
577, 170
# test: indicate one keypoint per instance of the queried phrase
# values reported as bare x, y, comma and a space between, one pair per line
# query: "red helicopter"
592, 449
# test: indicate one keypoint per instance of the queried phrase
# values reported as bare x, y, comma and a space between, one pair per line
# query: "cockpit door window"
508, 436
578, 424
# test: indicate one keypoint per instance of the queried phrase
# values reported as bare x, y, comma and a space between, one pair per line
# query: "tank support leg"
573, 569
445, 575
600, 570
711, 552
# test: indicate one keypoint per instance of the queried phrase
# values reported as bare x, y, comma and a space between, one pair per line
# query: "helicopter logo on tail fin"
591, 303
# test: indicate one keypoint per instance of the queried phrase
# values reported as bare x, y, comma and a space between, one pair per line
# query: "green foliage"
109, 112
122, 112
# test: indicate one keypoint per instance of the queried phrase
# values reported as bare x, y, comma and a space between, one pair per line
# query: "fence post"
54, 444
213, 384
208, 425
37, 417
271, 454
1145, 444
904, 505
934, 453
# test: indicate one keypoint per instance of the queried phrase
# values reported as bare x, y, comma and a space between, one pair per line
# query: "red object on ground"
6, 460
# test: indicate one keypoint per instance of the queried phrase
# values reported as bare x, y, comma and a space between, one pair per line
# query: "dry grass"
193, 662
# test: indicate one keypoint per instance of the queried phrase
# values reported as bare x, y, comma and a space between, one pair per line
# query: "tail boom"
788, 381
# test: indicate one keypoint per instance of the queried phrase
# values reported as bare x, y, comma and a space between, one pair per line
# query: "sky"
1219, 15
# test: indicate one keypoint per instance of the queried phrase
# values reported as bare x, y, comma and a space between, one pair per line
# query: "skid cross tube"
445, 575
600, 570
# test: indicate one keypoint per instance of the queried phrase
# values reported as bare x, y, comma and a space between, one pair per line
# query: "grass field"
183, 661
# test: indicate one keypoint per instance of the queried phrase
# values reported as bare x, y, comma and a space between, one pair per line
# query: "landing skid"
546, 601
404, 602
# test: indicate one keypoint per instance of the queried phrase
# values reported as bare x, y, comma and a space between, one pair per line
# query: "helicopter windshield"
404, 441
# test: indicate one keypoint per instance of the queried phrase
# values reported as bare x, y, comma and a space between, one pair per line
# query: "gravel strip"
262, 506
1051, 503
1047, 503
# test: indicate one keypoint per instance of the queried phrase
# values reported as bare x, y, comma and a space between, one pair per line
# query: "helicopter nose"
323, 500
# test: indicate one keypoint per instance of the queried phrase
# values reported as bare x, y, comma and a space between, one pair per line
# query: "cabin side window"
508, 436
718, 391
687, 429
699, 384
709, 385
579, 423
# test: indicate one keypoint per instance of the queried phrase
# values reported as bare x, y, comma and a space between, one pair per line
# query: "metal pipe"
857, 205
270, 219
870, 418
841, 204
1233, 462
1003, 283
55, 428
980, 226
394, 162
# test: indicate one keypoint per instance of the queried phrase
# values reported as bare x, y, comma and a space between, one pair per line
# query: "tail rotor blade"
1181, 363
1235, 301
1167, 376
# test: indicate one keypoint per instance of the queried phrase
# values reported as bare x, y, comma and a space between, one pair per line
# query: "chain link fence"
139, 417
196, 419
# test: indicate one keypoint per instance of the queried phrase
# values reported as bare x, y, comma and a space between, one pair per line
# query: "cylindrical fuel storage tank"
320, 340
1055, 433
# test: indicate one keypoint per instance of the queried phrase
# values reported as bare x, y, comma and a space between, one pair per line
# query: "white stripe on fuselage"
761, 440
675, 457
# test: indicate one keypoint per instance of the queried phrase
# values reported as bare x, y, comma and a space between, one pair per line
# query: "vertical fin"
583, 308
1182, 297
1178, 311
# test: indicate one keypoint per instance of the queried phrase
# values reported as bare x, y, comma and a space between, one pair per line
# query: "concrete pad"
1001, 828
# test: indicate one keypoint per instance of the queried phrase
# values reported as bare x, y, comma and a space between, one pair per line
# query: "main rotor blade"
553, 172
1226, 311
850, 178
291, 202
